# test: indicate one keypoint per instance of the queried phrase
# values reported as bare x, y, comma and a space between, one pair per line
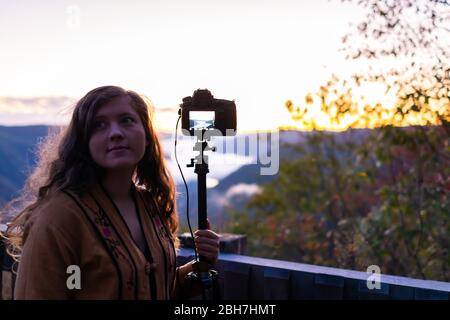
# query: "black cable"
187, 190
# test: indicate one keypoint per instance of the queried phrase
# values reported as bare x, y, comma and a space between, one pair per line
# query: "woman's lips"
118, 149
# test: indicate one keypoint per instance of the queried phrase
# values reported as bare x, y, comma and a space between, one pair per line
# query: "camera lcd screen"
201, 120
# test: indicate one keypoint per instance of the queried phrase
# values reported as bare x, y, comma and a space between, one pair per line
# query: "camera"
204, 112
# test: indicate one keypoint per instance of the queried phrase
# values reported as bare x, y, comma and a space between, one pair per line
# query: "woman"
103, 207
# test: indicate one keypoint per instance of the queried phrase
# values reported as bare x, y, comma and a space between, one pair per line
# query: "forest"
378, 199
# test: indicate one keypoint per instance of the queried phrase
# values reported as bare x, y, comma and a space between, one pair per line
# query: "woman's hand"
207, 243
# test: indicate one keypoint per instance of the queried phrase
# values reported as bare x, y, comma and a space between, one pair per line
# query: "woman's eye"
128, 120
98, 125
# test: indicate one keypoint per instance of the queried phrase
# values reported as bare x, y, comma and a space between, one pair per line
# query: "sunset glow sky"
259, 53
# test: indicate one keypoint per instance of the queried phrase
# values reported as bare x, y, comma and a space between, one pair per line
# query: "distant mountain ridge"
17, 158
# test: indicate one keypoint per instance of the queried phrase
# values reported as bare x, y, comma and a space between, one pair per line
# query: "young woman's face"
118, 137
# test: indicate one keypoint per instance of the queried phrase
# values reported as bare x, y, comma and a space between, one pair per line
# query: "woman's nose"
115, 131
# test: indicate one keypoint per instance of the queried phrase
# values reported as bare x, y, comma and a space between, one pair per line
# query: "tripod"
202, 283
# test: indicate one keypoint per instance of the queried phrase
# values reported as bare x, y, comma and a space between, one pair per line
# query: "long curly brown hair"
65, 163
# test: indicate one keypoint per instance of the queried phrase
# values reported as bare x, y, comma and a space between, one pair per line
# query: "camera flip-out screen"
201, 120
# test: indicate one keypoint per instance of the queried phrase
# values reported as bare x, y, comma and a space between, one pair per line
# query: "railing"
244, 277
248, 278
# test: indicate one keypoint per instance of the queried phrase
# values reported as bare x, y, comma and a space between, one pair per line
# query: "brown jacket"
89, 232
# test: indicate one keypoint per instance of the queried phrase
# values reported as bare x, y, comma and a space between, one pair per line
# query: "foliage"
351, 200
384, 200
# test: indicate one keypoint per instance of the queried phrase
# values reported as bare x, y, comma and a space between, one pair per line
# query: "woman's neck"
118, 184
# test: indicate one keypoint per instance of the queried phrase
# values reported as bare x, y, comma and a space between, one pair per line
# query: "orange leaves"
309, 99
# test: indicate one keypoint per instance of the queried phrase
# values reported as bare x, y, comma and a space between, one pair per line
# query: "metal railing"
245, 277
248, 278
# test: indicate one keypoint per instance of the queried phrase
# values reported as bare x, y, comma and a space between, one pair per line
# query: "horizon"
271, 58
258, 54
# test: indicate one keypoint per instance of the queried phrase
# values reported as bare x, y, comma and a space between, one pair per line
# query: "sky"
258, 53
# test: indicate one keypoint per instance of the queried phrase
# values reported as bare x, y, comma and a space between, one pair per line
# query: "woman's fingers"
206, 233
207, 243
206, 249
209, 253
210, 240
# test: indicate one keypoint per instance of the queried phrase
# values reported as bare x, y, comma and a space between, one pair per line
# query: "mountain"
17, 157
237, 180
236, 188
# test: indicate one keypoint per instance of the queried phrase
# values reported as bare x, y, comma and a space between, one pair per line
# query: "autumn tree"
351, 200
